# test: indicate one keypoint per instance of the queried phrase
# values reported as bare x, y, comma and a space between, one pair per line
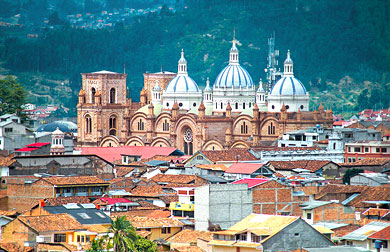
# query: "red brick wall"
273, 198
333, 213
22, 196
16, 231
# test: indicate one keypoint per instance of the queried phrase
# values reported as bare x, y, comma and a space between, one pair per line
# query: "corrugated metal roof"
364, 232
345, 202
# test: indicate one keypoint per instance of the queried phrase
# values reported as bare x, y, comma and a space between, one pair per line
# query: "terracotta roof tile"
52, 222
243, 168
7, 160
229, 155
383, 234
188, 249
190, 236
147, 191
180, 179
368, 162
334, 188
146, 222
144, 234
77, 180
212, 167
52, 247
98, 228
65, 200
14, 247
159, 214
168, 198
311, 165
8, 213
122, 171
138, 212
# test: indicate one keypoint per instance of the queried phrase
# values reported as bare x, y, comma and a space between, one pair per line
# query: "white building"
288, 91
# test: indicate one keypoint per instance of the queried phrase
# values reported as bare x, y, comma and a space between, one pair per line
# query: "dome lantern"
182, 64
233, 56
288, 66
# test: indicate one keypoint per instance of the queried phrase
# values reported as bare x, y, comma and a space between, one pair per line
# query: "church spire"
233, 57
288, 66
182, 64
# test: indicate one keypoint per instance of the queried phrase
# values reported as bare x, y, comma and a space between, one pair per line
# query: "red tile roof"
232, 154
311, 165
77, 180
52, 222
66, 200
111, 201
243, 168
180, 179
26, 149
114, 153
251, 181
37, 144
384, 234
368, 162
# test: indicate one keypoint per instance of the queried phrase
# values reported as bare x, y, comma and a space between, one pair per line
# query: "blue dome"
64, 126
233, 76
288, 86
182, 84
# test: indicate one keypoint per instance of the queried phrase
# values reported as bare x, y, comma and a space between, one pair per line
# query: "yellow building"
268, 233
159, 228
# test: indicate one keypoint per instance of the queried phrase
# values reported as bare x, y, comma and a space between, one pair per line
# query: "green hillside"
340, 48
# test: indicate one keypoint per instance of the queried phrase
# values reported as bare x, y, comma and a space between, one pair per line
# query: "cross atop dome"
182, 64
233, 57
288, 66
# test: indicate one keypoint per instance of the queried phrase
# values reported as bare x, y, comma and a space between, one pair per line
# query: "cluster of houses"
294, 195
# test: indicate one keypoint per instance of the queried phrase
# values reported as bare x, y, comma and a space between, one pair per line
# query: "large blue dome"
182, 84
288, 85
233, 76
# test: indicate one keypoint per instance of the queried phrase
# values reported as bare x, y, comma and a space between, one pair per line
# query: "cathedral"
173, 111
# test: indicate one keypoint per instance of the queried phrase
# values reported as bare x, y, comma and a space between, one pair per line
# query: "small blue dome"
288, 86
64, 126
182, 84
233, 76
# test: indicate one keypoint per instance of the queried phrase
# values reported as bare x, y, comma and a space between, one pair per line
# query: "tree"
350, 173
144, 245
124, 235
97, 245
12, 96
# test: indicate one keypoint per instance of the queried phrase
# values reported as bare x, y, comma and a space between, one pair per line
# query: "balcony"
181, 207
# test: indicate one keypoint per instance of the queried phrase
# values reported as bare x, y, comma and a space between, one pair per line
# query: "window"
88, 124
112, 126
180, 104
141, 125
302, 107
167, 104
366, 149
349, 149
296, 234
334, 146
308, 216
194, 104
244, 128
383, 150
273, 106
59, 237
85, 216
166, 230
165, 125
271, 129
93, 92
199, 157
221, 105
357, 149
350, 243
255, 238
112, 95
377, 150
80, 239
243, 106
8, 130
82, 191
287, 106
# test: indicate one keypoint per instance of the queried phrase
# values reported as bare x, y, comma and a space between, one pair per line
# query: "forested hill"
328, 41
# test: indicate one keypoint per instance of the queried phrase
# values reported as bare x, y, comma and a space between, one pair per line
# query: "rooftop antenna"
124, 68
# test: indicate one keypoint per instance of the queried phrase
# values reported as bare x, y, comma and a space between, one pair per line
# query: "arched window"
243, 105
271, 129
221, 105
88, 124
93, 92
141, 125
165, 125
244, 128
112, 95
112, 126
236, 105
188, 142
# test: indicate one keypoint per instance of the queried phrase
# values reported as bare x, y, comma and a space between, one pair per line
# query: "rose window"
188, 135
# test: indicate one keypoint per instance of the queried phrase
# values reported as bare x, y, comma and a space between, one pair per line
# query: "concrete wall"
296, 235
224, 205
